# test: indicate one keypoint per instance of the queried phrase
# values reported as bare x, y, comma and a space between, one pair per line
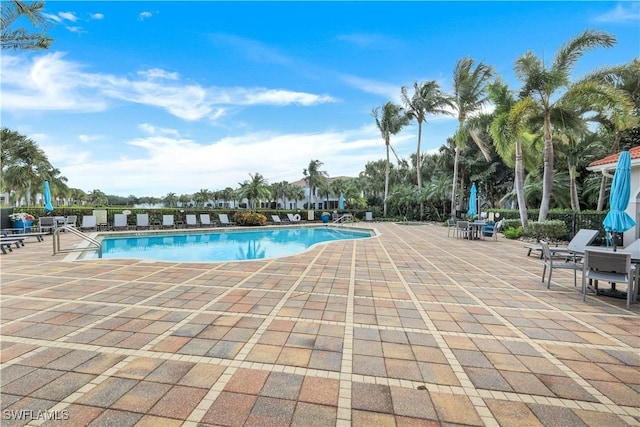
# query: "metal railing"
92, 242
346, 218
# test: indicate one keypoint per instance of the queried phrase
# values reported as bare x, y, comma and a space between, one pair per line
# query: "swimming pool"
223, 245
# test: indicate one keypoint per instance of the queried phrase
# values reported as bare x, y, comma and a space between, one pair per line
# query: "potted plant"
22, 220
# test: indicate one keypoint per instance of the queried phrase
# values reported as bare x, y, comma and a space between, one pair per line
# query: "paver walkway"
408, 328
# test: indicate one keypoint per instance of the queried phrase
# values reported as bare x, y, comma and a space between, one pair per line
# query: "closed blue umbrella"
48, 207
473, 201
617, 220
341, 202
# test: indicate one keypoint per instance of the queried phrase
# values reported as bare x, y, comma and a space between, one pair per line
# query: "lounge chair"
6, 242
224, 219
561, 261
38, 235
168, 221
142, 221
205, 220
582, 239
191, 221
276, 219
120, 222
89, 222
47, 223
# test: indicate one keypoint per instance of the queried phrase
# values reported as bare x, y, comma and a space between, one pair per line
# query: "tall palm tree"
255, 189
313, 175
170, 199
543, 86
202, 196
390, 119
20, 39
427, 99
469, 95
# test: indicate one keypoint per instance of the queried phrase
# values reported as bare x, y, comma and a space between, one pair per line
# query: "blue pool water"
227, 245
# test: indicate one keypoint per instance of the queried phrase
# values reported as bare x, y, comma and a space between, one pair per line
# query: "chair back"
191, 219
546, 252
89, 221
142, 220
224, 218
205, 219
119, 220
582, 239
47, 221
608, 262
167, 219
276, 218
71, 220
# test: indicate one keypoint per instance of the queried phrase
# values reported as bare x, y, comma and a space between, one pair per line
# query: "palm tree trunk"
603, 188
519, 184
573, 189
455, 181
419, 168
547, 177
386, 182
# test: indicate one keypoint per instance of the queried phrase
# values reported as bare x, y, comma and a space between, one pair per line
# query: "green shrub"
511, 223
249, 218
513, 233
551, 230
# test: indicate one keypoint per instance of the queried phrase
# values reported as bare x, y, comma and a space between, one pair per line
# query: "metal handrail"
56, 241
342, 220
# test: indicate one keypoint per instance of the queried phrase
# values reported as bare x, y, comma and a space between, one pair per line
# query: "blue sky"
148, 98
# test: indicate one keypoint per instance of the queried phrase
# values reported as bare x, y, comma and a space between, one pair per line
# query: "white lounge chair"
168, 221
276, 219
120, 222
205, 220
89, 222
142, 221
191, 220
224, 219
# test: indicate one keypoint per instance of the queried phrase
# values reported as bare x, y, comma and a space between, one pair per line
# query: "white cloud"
90, 138
144, 15
386, 90
68, 16
49, 82
97, 16
627, 12
169, 162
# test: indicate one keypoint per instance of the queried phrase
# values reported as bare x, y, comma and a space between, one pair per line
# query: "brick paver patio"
408, 328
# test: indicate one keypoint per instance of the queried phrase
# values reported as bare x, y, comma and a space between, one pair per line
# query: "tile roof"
635, 154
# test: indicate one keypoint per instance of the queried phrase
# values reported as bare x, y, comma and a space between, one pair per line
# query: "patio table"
476, 229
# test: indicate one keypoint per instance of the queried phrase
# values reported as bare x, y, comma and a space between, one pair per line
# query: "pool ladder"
346, 218
92, 242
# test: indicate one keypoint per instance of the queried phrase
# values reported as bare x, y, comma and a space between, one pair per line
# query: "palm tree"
20, 39
390, 119
427, 99
469, 95
255, 189
294, 192
202, 196
170, 199
543, 85
325, 189
313, 175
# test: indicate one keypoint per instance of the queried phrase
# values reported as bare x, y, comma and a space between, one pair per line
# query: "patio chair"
89, 223
191, 221
120, 222
608, 266
452, 225
462, 229
276, 219
224, 219
47, 223
71, 220
205, 220
142, 221
491, 230
552, 261
168, 221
